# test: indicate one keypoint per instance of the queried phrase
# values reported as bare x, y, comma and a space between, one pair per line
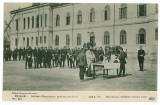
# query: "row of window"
32, 40
141, 37
27, 21
141, 11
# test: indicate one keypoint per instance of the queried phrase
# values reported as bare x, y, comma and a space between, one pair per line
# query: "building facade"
59, 25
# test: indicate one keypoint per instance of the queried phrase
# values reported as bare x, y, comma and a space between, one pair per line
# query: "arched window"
67, 40
79, 17
123, 11
45, 39
57, 20
106, 38
107, 13
57, 40
68, 19
123, 37
79, 39
92, 15
156, 34
142, 36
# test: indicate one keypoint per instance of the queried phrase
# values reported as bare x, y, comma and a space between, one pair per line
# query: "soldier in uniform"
141, 54
39, 58
14, 54
107, 53
71, 58
24, 53
53, 57
28, 62
49, 57
82, 62
101, 54
63, 55
44, 57
56, 57
122, 58
35, 54
76, 53
68, 50
20, 51
10, 54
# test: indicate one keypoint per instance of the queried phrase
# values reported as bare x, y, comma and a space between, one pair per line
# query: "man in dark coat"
63, 55
39, 58
24, 53
57, 57
101, 54
28, 62
108, 53
49, 57
35, 54
53, 57
122, 58
20, 52
141, 54
82, 63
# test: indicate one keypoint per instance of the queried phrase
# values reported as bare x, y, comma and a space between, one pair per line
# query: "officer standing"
35, 54
44, 57
108, 53
101, 54
82, 63
68, 50
28, 58
24, 53
56, 57
20, 51
49, 57
39, 58
53, 57
10, 54
141, 54
122, 58
63, 55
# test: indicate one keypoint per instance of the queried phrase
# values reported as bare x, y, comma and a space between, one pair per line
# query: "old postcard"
80, 52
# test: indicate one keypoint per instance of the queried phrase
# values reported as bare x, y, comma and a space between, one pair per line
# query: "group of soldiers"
43, 57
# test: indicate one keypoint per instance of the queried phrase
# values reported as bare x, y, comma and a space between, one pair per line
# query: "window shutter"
145, 9
126, 12
138, 10
108, 14
119, 13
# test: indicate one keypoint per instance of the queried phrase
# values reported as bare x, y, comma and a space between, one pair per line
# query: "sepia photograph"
69, 48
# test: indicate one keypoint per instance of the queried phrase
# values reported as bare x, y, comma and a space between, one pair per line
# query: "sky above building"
13, 6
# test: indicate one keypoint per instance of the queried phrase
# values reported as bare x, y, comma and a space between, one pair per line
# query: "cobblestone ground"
15, 77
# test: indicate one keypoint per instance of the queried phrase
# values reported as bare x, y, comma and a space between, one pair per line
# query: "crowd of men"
43, 57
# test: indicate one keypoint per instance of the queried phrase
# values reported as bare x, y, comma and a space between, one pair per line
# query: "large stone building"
59, 25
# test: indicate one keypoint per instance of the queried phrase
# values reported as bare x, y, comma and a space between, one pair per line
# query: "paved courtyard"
15, 77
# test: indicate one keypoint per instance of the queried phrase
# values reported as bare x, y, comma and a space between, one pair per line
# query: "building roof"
37, 5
